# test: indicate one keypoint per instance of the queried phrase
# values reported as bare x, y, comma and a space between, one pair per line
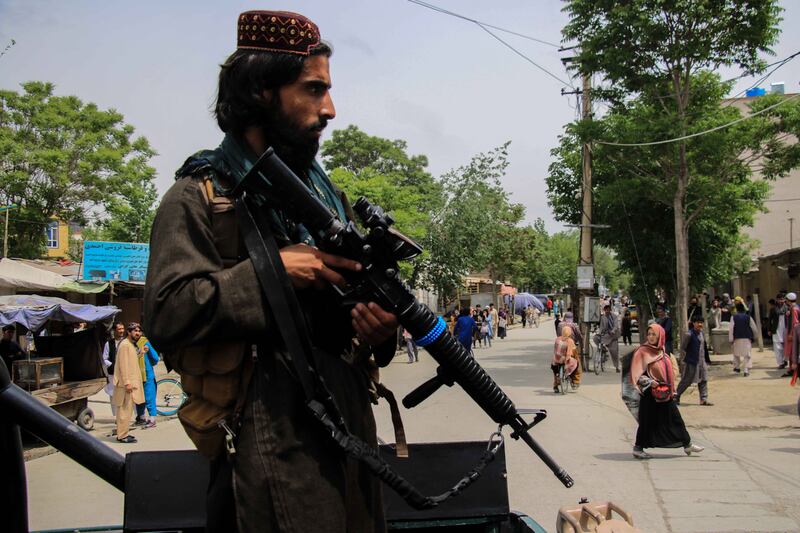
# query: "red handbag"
662, 391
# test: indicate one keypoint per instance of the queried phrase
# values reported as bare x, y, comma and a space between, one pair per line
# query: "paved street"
746, 480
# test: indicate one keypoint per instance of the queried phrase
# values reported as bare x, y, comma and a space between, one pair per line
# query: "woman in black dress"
660, 422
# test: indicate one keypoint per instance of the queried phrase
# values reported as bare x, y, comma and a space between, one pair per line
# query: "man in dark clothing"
203, 302
695, 361
9, 350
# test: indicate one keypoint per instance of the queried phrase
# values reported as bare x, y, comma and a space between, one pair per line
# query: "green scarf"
233, 160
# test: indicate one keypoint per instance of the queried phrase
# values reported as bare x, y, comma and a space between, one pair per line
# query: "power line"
698, 134
453, 14
523, 56
485, 27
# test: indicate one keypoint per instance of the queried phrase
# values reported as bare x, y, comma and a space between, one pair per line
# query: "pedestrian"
549, 306
565, 353
715, 315
741, 332
535, 317
608, 335
148, 358
127, 382
577, 337
502, 324
695, 361
10, 351
790, 342
695, 309
776, 327
486, 329
464, 328
555, 309
726, 308
411, 347
203, 297
626, 328
524, 315
477, 316
665, 321
109, 358
493, 320
660, 422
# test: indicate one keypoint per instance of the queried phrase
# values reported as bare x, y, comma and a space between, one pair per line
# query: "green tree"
658, 48
62, 159
633, 187
475, 228
381, 170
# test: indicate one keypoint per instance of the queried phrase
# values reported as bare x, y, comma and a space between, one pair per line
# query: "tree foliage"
633, 188
65, 159
381, 171
657, 50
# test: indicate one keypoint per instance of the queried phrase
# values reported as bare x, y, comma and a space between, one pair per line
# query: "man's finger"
332, 277
337, 261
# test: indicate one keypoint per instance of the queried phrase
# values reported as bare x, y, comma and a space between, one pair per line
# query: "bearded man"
282, 471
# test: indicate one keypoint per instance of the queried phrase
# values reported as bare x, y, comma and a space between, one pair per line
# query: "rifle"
379, 251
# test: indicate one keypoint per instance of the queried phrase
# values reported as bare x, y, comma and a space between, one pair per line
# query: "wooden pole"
758, 324
5, 233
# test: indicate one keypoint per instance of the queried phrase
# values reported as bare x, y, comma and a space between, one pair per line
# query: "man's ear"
268, 96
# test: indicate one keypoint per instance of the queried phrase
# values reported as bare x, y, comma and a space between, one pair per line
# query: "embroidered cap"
277, 31
133, 325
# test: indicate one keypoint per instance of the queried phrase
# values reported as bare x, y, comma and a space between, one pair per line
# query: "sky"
399, 71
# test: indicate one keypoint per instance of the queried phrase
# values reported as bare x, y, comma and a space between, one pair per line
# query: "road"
746, 480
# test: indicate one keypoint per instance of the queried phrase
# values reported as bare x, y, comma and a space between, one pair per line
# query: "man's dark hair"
464, 312
698, 318
607, 308
244, 77
740, 308
9, 327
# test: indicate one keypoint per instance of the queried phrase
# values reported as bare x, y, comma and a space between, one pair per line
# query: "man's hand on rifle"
372, 323
308, 266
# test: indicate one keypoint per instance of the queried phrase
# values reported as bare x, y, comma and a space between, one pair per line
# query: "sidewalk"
763, 400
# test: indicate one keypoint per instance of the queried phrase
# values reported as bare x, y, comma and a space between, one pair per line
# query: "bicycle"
169, 396
600, 358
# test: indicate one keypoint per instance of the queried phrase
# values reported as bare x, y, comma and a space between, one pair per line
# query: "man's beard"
294, 144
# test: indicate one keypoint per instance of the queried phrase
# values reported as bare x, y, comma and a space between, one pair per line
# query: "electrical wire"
453, 14
698, 134
485, 27
523, 56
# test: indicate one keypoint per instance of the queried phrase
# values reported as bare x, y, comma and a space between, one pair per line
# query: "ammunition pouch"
216, 377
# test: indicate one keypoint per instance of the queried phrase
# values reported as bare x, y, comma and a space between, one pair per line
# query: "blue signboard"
114, 261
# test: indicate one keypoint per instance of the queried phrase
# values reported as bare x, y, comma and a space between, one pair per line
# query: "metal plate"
434, 468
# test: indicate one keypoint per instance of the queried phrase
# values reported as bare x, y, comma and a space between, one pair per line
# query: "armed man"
273, 466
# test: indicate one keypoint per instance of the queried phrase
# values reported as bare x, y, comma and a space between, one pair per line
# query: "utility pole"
791, 236
7, 208
585, 266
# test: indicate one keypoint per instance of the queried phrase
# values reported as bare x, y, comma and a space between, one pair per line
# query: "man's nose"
327, 111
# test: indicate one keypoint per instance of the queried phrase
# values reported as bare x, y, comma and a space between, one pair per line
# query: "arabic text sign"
112, 261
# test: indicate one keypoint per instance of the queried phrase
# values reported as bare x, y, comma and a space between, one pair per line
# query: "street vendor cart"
63, 368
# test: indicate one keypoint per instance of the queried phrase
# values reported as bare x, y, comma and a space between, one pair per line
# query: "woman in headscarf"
565, 353
577, 338
660, 422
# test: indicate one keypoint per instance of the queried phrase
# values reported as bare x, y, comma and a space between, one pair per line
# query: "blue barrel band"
433, 334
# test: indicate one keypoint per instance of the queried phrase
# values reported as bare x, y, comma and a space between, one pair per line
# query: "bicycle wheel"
598, 360
603, 357
169, 396
563, 379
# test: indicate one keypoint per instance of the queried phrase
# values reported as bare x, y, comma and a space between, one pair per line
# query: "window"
52, 234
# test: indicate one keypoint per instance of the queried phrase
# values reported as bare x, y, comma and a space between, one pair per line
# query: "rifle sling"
278, 292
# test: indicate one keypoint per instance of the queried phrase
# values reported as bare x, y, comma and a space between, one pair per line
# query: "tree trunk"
679, 322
